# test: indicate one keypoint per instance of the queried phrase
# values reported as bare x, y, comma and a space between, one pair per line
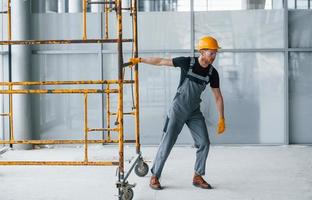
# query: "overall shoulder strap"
210, 70
192, 62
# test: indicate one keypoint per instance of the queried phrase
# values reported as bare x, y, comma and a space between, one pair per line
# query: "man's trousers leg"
198, 128
172, 129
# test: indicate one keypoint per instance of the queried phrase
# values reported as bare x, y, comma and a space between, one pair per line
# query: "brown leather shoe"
198, 181
154, 183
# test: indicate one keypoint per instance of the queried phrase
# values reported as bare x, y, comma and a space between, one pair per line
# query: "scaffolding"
125, 190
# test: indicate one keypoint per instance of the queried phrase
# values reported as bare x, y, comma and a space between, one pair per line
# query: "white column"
61, 6
125, 4
21, 62
74, 6
97, 7
253, 4
147, 6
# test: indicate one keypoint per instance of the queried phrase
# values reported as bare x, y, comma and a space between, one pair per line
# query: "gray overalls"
185, 108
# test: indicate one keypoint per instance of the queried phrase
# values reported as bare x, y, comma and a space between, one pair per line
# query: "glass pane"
157, 32
253, 90
205, 5
59, 116
291, 4
227, 28
300, 29
3, 27
300, 95
57, 28
163, 5
302, 4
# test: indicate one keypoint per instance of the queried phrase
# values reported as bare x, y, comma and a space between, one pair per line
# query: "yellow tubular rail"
58, 91
108, 113
136, 77
66, 82
86, 126
39, 142
106, 19
120, 87
84, 3
61, 163
9, 21
38, 42
11, 115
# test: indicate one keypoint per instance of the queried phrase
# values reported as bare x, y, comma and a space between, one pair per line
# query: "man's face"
209, 55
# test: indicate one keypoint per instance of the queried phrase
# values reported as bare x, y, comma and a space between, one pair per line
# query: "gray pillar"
38, 6
74, 6
51, 6
21, 62
253, 4
61, 6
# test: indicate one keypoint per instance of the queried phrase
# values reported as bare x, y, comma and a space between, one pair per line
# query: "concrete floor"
236, 172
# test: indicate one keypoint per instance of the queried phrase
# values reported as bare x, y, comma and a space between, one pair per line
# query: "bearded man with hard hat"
196, 73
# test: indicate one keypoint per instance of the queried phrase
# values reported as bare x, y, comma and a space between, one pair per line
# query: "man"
196, 73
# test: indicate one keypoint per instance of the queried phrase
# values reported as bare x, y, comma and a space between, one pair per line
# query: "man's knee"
204, 144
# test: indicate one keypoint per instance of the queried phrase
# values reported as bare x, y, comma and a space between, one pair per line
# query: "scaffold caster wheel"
127, 194
141, 169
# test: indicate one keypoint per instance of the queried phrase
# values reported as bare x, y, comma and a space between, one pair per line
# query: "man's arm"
157, 61
152, 61
219, 101
220, 108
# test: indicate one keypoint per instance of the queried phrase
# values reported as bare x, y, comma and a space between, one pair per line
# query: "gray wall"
251, 67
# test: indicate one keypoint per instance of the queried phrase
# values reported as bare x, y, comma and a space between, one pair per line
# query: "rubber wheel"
127, 194
141, 170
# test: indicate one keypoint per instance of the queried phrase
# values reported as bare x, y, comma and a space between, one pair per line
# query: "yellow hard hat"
207, 42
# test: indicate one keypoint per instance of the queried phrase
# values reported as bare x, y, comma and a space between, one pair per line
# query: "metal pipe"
39, 142
59, 163
128, 113
9, 21
108, 112
120, 94
85, 127
66, 82
38, 42
10, 95
103, 129
286, 75
132, 166
106, 19
11, 117
58, 91
100, 2
136, 76
84, 10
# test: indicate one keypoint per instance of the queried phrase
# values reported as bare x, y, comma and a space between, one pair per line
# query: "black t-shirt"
184, 64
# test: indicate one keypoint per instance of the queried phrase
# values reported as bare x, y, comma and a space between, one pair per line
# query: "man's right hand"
135, 61
221, 126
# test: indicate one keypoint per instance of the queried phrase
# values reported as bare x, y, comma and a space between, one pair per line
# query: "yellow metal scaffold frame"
141, 168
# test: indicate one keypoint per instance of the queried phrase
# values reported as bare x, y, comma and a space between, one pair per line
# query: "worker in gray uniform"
196, 73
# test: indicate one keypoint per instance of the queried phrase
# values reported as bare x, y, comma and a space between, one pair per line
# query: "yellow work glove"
221, 126
135, 61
